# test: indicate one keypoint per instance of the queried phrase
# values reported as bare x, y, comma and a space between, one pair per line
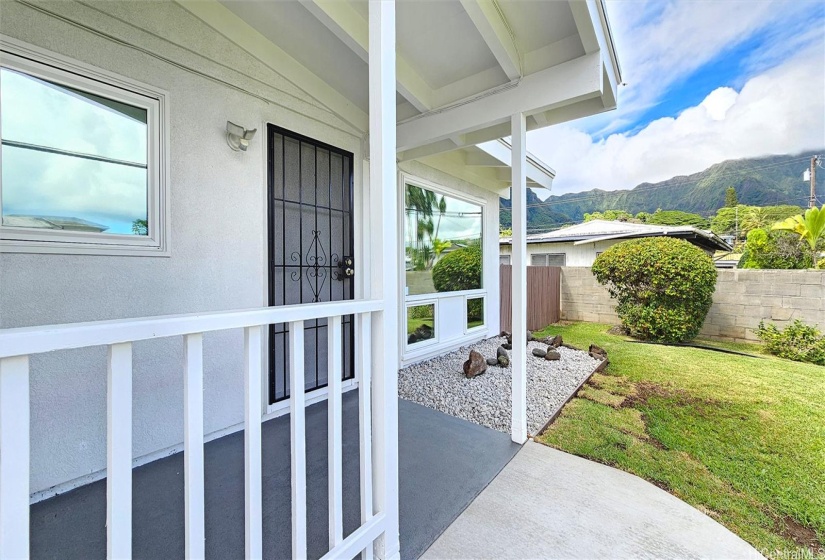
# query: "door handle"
346, 268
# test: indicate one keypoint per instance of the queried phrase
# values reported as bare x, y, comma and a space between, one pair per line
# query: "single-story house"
579, 245
250, 169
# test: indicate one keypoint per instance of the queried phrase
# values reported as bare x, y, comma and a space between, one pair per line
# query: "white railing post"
518, 427
365, 421
253, 481
119, 452
297, 404
335, 447
14, 457
193, 446
384, 279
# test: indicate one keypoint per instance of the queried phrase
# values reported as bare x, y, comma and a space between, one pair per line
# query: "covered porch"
185, 325
444, 463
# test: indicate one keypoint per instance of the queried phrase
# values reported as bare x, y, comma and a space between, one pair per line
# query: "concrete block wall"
742, 299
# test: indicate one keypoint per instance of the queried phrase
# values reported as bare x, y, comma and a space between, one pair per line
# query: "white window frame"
467, 328
546, 255
429, 341
411, 350
29, 59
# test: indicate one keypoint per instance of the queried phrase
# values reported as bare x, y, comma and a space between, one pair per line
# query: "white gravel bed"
439, 383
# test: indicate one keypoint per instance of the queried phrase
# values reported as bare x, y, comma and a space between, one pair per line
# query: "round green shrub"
458, 270
663, 286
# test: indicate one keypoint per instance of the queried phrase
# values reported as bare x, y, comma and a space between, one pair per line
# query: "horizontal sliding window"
81, 162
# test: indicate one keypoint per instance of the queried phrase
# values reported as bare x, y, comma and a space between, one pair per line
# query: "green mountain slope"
758, 182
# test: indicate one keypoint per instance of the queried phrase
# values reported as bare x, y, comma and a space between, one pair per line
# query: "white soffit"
488, 166
463, 66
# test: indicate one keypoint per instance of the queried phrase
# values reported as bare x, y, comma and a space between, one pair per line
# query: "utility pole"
812, 201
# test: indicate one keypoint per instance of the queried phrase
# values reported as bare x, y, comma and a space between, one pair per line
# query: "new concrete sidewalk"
549, 504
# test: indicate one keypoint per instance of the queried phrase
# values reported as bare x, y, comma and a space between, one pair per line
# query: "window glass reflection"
420, 323
72, 160
442, 239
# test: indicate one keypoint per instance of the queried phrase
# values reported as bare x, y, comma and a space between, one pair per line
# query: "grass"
741, 439
413, 324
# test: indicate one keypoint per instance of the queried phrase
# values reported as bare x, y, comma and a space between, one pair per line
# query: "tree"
773, 250
810, 227
750, 217
422, 203
664, 286
610, 215
140, 227
459, 270
731, 200
677, 218
754, 217
439, 246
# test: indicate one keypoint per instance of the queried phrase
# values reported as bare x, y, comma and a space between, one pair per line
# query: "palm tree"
810, 228
755, 217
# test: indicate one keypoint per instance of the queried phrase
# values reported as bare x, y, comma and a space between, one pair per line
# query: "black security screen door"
310, 196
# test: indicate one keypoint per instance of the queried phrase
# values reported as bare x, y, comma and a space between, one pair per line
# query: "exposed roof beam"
496, 32
225, 22
483, 118
347, 24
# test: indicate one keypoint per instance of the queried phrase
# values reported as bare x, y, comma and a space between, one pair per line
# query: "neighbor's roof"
52, 222
605, 230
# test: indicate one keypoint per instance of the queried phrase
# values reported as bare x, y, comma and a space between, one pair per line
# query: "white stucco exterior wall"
217, 234
217, 240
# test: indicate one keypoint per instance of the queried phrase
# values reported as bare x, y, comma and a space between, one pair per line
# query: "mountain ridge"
762, 181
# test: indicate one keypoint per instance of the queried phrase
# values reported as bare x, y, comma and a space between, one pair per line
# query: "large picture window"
442, 242
82, 168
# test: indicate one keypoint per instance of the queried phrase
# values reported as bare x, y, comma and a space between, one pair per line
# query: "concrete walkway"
549, 504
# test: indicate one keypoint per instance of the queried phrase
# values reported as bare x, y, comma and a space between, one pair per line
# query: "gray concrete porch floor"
445, 462
549, 504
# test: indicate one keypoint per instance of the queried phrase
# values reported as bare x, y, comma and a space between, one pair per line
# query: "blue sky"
706, 81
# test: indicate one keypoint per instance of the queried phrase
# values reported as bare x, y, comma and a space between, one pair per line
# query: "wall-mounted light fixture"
238, 137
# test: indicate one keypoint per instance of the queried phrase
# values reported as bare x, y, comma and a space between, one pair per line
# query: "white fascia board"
493, 29
537, 171
347, 24
228, 24
554, 87
594, 30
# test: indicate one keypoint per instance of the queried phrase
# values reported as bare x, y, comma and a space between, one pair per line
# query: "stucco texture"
217, 233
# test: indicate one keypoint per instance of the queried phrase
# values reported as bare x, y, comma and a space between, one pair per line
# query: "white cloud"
778, 112
662, 42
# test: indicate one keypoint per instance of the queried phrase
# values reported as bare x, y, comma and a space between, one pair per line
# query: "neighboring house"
579, 245
257, 246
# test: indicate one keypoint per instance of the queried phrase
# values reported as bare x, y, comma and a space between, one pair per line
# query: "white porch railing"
17, 344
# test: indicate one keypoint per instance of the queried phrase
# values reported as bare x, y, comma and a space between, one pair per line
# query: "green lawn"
742, 439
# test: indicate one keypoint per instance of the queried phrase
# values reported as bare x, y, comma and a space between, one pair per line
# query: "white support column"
297, 423
14, 457
193, 446
335, 448
384, 271
518, 429
119, 452
253, 482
